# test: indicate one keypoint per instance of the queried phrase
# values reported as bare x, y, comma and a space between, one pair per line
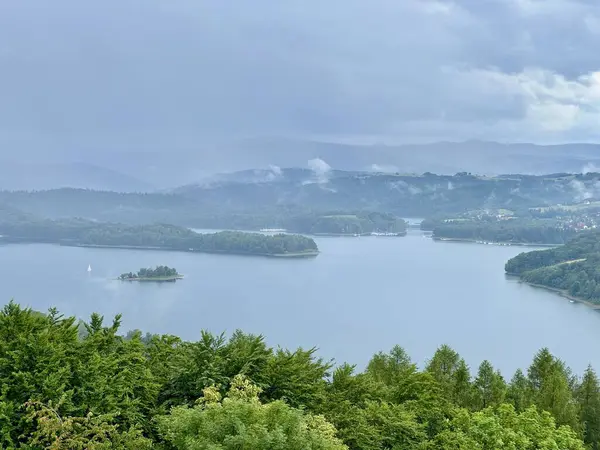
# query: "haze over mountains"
131, 95
148, 171
138, 96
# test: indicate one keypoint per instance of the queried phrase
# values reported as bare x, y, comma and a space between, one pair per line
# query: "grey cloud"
174, 74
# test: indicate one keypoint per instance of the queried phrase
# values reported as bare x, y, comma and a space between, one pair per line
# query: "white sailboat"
89, 268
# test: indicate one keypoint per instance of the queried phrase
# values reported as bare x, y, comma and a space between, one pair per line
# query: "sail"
89, 268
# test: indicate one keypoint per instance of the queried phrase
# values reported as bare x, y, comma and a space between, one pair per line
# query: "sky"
135, 74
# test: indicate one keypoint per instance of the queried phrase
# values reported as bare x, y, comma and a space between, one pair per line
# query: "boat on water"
89, 268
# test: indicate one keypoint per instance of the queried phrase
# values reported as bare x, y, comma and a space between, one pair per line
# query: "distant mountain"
166, 168
40, 176
185, 167
442, 157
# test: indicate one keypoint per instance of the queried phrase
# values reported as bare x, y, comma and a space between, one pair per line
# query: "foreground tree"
518, 393
504, 428
91, 432
65, 385
490, 388
551, 386
588, 396
240, 420
452, 373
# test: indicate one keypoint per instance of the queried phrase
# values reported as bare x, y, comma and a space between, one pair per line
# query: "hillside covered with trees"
343, 223
67, 386
573, 267
266, 200
514, 231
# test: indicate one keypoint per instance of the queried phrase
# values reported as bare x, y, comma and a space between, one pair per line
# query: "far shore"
303, 233
374, 234
306, 254
500, 243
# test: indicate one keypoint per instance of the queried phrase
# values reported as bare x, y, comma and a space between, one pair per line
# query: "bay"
359, 296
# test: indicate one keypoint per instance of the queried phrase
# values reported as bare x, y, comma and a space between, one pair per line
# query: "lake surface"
360, 296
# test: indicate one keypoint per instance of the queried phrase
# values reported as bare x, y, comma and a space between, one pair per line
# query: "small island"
159, 274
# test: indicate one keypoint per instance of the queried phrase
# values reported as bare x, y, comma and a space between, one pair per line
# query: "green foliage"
81, 433
357, 405
297, 377
551, 387
241, 421
490, 387
61, 388
505, 428
452, 374
518, 392
588, 398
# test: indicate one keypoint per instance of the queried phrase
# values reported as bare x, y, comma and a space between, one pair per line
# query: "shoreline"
561, 292
499, 243
369, 234
153, 279
302, 233
297, 255
73, 243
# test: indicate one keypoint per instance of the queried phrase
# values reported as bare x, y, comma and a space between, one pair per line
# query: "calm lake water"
361, 295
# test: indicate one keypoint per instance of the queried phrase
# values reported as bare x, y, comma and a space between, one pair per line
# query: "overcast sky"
128, 74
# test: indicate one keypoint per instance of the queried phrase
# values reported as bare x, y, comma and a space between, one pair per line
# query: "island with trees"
88, 233
70, 386
158, 274
571, 269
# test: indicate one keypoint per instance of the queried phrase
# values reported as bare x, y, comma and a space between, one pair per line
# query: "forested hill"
573, 267
260, 197
67, 386
514, 231
343, 223
80, 232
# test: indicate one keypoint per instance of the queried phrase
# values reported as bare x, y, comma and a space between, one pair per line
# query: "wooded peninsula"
513, 231
73, 385
572, 268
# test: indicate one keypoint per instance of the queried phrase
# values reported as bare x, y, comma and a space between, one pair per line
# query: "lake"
360, 296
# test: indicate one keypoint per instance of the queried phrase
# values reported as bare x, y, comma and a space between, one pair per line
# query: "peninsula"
158, 274
571, 269
343, 223
501, 228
